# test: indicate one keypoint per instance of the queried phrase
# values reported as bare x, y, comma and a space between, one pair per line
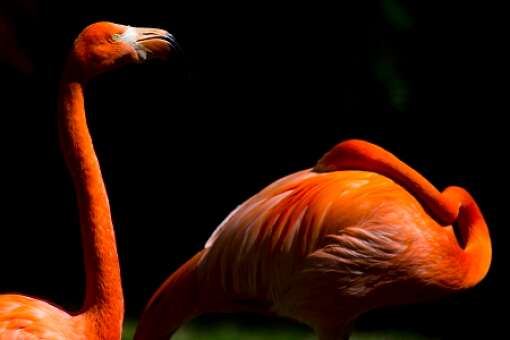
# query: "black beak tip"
173, 42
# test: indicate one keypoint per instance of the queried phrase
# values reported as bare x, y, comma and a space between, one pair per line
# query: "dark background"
264, 90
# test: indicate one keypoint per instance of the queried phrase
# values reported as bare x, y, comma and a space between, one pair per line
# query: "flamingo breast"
25, 318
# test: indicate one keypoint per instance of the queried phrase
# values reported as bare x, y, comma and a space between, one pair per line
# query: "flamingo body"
302, 220
312, 239
326, 244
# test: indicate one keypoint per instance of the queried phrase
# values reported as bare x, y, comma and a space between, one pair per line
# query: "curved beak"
154, 43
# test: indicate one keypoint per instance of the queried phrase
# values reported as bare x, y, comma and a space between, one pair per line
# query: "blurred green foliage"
235, 331
398, 23
397, 15
396, 87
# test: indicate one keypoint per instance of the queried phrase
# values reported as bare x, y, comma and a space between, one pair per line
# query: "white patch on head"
129, 36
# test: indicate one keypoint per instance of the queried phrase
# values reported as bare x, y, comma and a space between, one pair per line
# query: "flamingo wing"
25, 318
261, 245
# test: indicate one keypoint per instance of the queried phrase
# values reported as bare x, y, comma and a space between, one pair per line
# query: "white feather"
129, 36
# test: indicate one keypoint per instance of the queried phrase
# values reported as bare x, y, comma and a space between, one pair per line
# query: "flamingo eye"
115, 37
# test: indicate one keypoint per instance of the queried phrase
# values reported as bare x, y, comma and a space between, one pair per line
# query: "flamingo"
358, 231
99, 47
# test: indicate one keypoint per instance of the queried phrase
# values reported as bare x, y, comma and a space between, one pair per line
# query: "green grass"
129, 329
235, 331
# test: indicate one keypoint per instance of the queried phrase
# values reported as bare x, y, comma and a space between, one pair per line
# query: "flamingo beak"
154, 43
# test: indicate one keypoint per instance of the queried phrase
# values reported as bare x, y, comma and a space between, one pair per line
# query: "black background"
264, 90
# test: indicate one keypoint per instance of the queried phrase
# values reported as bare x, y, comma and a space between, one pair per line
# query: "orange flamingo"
99, 48
358, 231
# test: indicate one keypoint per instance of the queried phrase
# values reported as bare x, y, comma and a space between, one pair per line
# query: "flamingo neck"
452, 206
178, 300
103, 297
364, 156
186, 294
475, 237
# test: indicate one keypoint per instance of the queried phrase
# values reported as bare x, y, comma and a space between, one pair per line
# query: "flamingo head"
104, 46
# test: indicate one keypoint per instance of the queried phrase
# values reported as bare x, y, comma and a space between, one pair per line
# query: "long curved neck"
185, 295
364, 156
103, 295
452, 206
477, 253
174, 303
